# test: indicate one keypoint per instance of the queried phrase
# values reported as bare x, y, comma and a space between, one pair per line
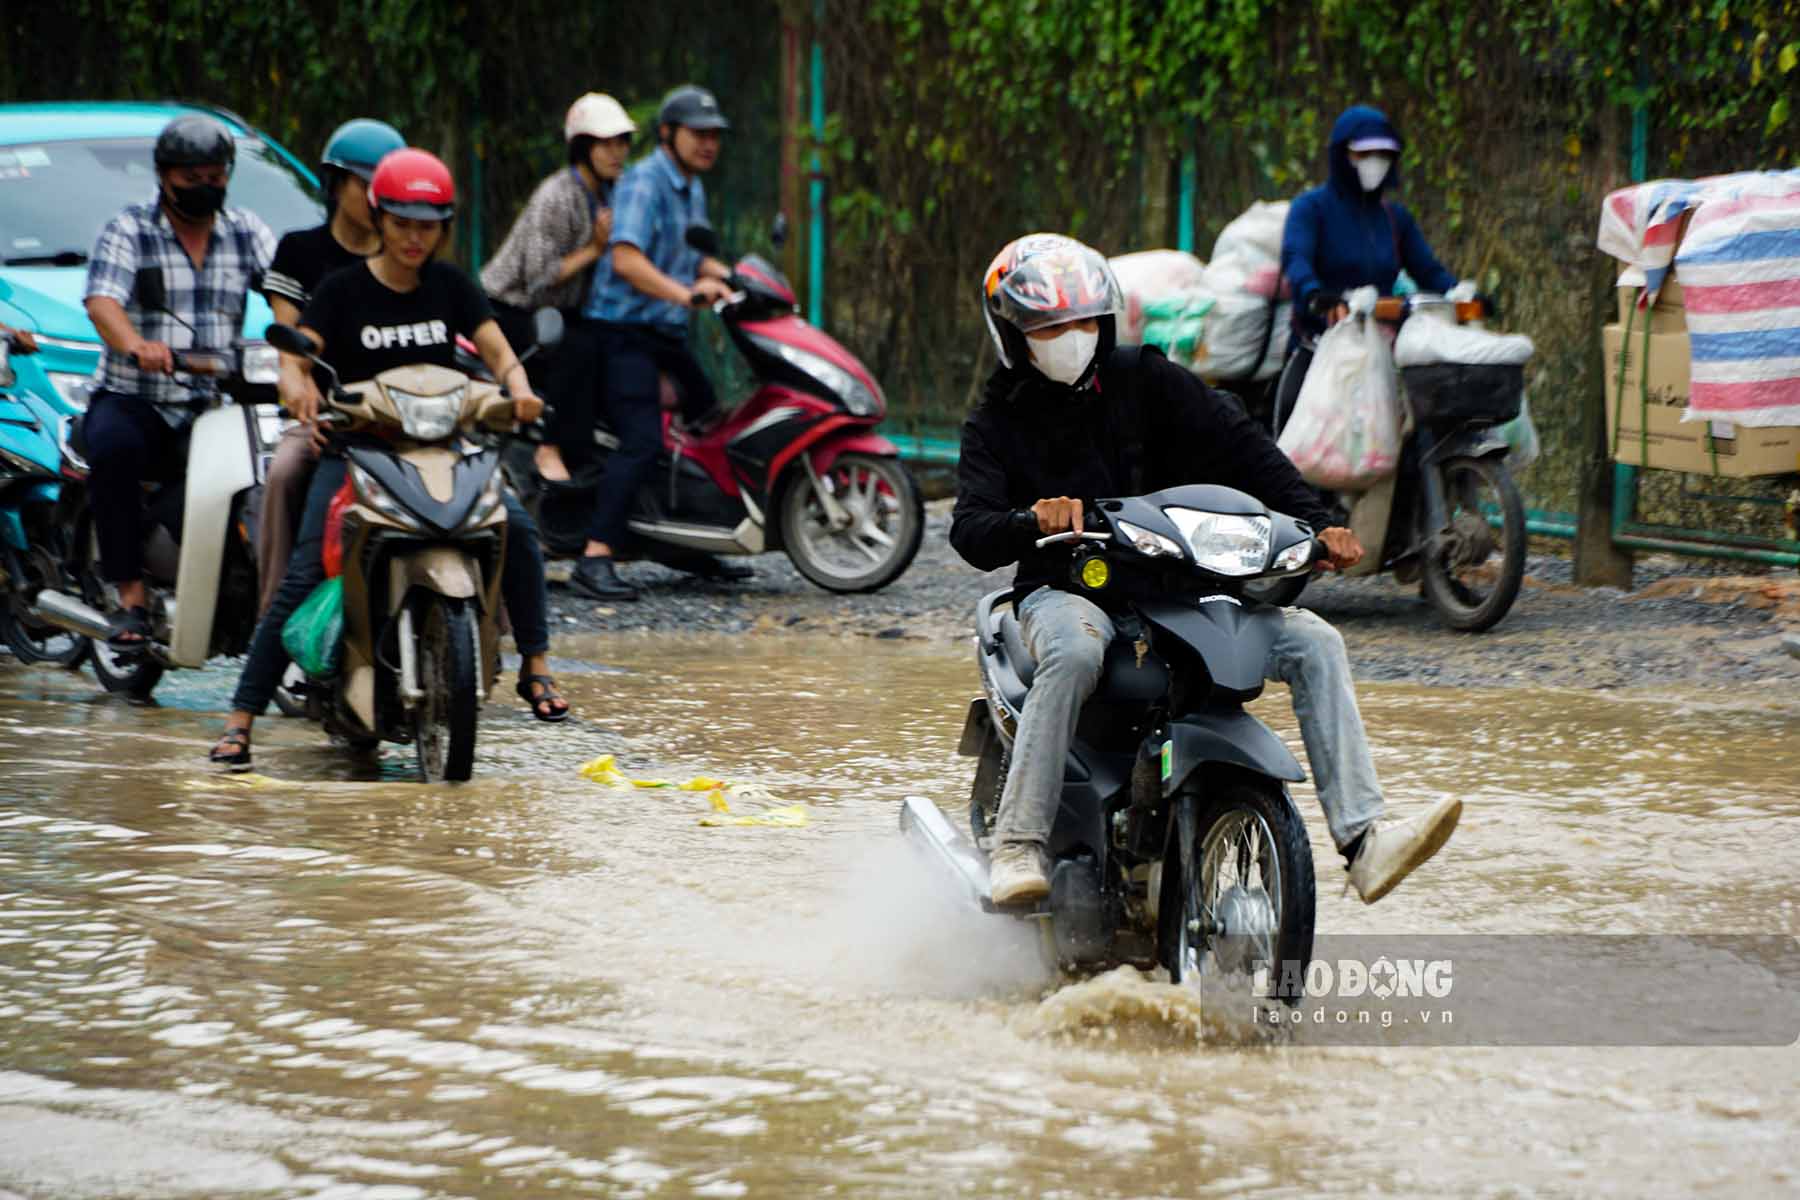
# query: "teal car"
68, 168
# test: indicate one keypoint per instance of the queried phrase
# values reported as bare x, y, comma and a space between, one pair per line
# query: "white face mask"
1373, 169
1066, 356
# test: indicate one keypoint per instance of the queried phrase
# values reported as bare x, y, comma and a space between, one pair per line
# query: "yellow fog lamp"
1093, 572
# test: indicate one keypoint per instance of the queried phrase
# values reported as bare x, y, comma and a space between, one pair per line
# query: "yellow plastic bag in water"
605, 771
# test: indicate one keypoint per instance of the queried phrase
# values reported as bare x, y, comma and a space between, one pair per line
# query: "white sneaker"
1016, 874
1390, 850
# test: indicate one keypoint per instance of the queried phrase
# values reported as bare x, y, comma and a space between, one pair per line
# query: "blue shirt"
653, 205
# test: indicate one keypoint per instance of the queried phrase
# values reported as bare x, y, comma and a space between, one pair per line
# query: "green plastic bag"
314, 635
1176, 324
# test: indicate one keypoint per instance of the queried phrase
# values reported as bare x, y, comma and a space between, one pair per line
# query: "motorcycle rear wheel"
133, 676
1243, 897
887, 521
1471, 581
444, 723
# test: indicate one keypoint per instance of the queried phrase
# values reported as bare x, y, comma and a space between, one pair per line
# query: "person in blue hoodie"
1343, 235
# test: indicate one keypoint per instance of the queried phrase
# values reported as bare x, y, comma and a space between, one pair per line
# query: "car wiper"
62, 258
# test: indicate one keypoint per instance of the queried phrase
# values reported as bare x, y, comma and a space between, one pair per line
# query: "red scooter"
796, 466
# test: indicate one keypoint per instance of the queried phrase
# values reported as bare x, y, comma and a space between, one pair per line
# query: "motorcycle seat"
1122, 677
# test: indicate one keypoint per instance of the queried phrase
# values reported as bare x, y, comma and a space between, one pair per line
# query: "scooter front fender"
439, 569
1231, 736
221, 450
827, 451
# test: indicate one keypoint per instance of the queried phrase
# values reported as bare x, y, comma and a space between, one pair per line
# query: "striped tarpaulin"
1738, 261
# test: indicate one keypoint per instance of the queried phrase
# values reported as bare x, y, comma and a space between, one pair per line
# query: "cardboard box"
1653, 434
1669, 315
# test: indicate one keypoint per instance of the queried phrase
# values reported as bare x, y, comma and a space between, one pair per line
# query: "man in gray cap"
642, 292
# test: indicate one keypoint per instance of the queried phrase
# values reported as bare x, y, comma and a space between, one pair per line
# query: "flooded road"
325, 981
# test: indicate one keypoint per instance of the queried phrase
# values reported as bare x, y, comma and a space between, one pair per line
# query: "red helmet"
415, 184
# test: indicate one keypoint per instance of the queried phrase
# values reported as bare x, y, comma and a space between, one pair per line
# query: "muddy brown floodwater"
322, 981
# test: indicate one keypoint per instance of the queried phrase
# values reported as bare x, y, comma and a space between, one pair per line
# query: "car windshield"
55, 196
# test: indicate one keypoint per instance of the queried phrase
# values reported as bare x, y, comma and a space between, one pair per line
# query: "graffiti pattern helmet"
1046, 279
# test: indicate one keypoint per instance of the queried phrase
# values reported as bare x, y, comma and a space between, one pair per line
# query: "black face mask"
197, 203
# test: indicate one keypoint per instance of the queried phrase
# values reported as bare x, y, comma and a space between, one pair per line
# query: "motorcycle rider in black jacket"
1067, 417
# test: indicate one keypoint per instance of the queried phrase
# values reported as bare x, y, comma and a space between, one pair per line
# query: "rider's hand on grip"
1057, 515
1342, 550
154, 357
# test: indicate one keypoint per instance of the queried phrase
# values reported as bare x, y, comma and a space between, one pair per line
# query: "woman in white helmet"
548, 259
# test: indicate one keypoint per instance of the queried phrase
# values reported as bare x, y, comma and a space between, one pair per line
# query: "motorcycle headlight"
65, 429
1224, 544
1296, 557
261, 363
73, 388
18, 464
428, 418
490, 499
854, 394
1147, 542
371, 493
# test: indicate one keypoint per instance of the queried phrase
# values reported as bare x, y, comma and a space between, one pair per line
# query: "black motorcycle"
1176, 841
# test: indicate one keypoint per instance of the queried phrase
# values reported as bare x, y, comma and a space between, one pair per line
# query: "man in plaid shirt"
136, 427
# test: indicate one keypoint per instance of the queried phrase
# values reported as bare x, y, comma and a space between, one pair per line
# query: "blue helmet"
356, 146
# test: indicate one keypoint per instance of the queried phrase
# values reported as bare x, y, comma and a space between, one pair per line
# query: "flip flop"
237, 757
549, 696
129, 629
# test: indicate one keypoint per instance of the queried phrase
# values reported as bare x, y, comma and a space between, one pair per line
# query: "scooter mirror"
547, 324
288, 340
149, 291
703, 239
778, 230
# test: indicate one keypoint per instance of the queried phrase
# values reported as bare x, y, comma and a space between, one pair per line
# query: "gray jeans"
1068, 636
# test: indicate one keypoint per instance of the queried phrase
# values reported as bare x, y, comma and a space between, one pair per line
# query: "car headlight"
854, 394
1224, 544
261, 363
429, 418
1147, 542
72, 387
1296, 557
371, 493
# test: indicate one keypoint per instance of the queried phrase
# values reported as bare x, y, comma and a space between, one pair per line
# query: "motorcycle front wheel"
1241, 897
884, 519
1472, 568
32, 640
444, 721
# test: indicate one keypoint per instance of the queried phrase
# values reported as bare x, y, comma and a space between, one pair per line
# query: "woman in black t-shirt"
400, 308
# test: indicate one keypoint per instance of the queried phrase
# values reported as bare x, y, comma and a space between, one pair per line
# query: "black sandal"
129, 629
238, 757
549, 696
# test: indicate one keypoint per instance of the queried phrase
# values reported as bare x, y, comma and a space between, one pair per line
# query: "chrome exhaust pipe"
921, 821
66, 612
